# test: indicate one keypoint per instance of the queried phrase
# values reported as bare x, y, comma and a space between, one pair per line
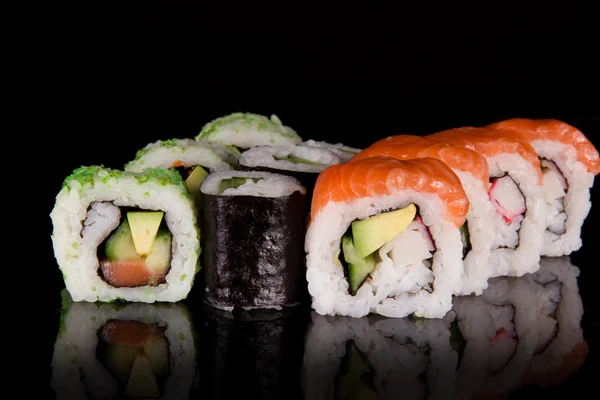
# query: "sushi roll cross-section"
515, 191
126, 236
472, 169
385, 238
569, 164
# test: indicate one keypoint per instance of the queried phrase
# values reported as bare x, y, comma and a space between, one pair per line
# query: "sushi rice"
87, 211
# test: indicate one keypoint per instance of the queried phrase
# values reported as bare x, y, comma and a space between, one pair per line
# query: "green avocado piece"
195, 179
119, 246
144, 227
234, 183
372, 233
159, 257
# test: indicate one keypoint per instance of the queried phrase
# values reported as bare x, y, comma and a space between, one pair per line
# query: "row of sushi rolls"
434, 265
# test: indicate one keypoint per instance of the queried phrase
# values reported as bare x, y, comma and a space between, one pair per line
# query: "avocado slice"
372, 233
299, 160
159, 257
195, 179
144, 226
119, 246
234, 183
142, 382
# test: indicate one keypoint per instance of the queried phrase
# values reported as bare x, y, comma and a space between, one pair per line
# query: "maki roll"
111, 351
259, 351
377, 358
304, 161
254, 225
129, 236
471, 167
515, 191
561, 347
385, 238
569, 163
245, 130
192, 159
496, 339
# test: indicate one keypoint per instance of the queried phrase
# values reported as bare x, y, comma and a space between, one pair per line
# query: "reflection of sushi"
377, 358
499, 329
253, 224
472, 169
516, 192
569, 164
245, 130
365, 214
259, 351
561, 346
304, 161
110, 351
126, 235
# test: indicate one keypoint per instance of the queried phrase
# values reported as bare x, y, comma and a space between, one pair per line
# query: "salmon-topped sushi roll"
569, 163
515, 191
384, 238
472, 169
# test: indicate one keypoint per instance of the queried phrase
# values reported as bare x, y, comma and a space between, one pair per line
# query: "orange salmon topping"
490, 142
558, 131
381, 176
130, 273
406, 147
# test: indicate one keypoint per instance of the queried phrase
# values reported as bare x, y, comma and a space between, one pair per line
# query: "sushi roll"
377, 358
246, 130
193, 160
516, 192
304, 161
106, 351
569, 163
254, 225
365, 215
561, 347
472, 169
496, 337
128, 236
259, 351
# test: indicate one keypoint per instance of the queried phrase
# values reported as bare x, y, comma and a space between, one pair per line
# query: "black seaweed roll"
253, 229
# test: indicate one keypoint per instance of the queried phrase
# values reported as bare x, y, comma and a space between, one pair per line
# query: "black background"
92, 84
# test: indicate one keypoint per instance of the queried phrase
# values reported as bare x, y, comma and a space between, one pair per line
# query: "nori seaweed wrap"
253, 240
258, 352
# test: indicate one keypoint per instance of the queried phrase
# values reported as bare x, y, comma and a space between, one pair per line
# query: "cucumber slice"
234, 183
359, 271
159, 257
119, 246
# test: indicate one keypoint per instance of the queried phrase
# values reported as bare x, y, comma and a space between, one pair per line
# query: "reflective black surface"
301, 355
521, 334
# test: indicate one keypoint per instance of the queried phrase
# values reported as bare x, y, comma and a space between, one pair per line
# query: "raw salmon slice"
406, 147
382, 176
129, 273
558, 131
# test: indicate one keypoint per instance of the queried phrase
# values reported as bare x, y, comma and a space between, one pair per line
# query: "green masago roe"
359, 268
